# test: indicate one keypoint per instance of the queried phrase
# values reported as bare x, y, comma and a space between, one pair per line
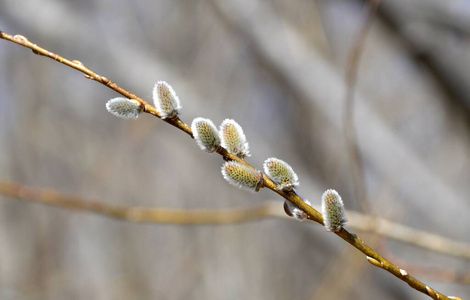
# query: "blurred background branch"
349, 127
266, 209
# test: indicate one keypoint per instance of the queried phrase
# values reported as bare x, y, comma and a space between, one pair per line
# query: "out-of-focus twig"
140, 214
265, 209
312, 214
349, 127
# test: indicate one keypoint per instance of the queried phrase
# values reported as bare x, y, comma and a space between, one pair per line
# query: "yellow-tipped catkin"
166, 101
332, 209
281, 173
233, 138
242, 176
206, 134
124, 108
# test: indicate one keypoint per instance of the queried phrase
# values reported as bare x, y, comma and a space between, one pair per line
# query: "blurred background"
277, 68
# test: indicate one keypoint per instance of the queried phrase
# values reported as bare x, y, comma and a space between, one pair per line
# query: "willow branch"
374, 257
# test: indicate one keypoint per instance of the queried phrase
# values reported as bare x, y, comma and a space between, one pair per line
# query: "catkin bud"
294, 211
166, 101
205, 134
124, 108
233, 138
332, 209
281, 173
242, 176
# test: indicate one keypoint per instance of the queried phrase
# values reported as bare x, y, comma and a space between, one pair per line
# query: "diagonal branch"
372, 256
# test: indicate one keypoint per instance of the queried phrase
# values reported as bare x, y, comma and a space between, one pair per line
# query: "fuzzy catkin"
281, 173
242, 176
166, 101
233, 138
124, 108
333, 212
206, 134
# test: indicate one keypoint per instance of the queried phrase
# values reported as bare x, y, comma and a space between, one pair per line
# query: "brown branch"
373, 257
266, 209
349, 128
139, 214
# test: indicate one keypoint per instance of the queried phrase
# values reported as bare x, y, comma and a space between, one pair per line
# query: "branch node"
20, 38
77, 62
260, 183
432, 293
374, 262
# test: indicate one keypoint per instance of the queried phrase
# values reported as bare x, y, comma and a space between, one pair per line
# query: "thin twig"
139, 214
349, 128
266, 209
372, 256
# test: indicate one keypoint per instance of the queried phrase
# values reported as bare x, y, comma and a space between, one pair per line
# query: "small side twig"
312, 213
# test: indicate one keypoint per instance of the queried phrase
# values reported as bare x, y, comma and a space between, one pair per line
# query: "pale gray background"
277, 67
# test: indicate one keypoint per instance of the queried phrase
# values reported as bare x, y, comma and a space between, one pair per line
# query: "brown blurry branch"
140, 214
349, 127
372, 256
266, 209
